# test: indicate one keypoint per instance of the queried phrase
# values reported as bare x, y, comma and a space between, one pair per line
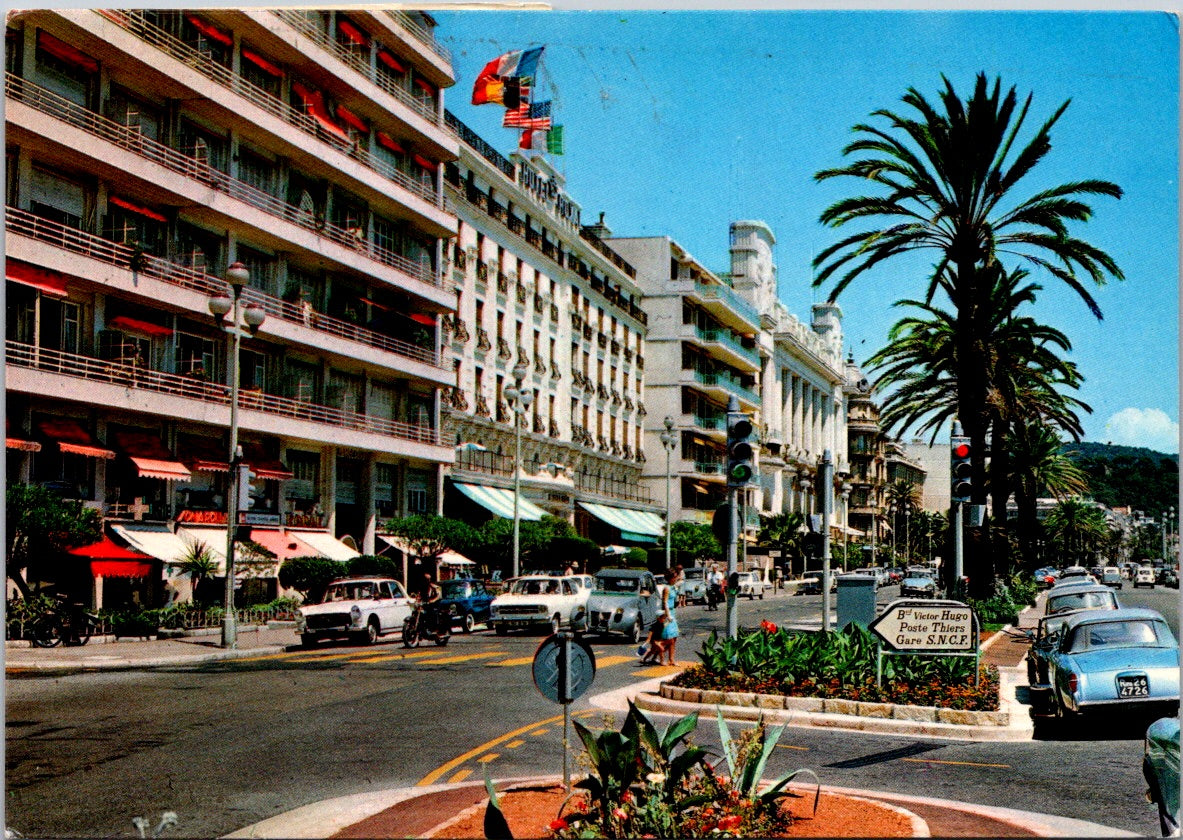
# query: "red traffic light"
961, 450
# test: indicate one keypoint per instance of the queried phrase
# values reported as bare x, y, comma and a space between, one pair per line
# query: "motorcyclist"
714, 587
429, 595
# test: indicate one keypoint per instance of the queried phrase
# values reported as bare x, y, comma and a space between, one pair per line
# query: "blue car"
1160, 766
1124, 659
467, 601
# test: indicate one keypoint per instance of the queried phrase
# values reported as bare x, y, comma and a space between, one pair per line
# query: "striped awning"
500, 501
155, 540
326, 544
636, 522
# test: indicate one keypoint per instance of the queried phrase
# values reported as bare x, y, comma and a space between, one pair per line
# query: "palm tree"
1038, 463
904, 498
949, 179
1078, 526
782, 531
199, 563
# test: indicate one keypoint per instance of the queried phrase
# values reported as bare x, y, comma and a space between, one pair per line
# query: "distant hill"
1141, 478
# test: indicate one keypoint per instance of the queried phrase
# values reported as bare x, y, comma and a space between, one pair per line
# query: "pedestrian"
652, 648
679, 588
669, 601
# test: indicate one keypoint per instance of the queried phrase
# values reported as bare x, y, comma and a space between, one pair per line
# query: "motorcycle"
714, 596
416, 628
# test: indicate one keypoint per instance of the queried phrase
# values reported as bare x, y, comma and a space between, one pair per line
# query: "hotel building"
147, 152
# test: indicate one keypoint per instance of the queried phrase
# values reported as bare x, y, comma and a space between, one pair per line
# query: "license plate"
1133, 687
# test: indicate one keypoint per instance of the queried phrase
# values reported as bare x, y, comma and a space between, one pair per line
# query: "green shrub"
310, 575
636, 557
373, 565
19, 613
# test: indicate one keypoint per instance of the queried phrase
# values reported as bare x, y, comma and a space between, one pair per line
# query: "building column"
365, 498
328, 480
798, 414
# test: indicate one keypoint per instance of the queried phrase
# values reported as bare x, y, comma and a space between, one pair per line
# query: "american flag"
534, 115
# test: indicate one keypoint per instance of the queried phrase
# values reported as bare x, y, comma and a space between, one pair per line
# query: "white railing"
134, 23
406, 22
131, 140
138, 378
23, 223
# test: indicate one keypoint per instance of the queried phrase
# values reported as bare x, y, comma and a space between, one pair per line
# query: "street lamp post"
669, 440
519, 400
252, 317
845, 525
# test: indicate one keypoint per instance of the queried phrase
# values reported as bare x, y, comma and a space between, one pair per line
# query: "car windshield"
535, 587
455, 589
1081, 601
1120, 634
694, 574
615, 583
350, 592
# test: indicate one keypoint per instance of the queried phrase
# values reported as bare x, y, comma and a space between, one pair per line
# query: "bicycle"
69, 624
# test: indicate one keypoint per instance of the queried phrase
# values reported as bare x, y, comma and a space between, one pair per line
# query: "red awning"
62, 51
425, 163
391, 61
137, 208
23, 445
263, 465
389, 142
262, 63
70, 437
426, 320
107, 549
121, 568
425, 86
353, 33
315, 102
47, 282
150, 455
122, 322
352, 118
283, 546
205, 454
209, 30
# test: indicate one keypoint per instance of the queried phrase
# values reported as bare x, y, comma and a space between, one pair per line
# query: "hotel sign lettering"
547, 191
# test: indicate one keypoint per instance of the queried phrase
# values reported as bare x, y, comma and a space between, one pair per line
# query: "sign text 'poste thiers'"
915, 626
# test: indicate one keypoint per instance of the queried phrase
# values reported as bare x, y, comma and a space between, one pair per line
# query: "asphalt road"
228, 744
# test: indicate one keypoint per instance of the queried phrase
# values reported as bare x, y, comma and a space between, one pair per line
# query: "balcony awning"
205, 455
314, 100
20, 443
138, 209
447, 558
500, 502
45, 281
150, 456
155, 541
283, 544
209, 30
639, 523
71, 438
62, 51
122, 322
326, 544
263, 465
391, 61
262, 63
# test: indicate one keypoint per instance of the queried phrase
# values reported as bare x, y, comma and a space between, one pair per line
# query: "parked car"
1144, 577
1046, 576
1160, 766
1092, 596
467, 601
751, 585
1170, 578
876, 573
1075, 573
918, 583
694, 585
1112, 659
533, 600
1111, 576
623, 601
362, 609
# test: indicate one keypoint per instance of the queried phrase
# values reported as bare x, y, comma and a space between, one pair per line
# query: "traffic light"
741, 467
960, 468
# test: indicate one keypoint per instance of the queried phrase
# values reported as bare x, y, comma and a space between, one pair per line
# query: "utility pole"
827, 488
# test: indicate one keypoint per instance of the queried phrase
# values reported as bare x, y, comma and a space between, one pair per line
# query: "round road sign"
563, 668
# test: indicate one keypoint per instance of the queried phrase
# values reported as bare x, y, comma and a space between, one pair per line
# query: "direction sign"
926, 626
563, 668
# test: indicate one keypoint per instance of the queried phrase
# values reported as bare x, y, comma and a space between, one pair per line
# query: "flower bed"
837, 666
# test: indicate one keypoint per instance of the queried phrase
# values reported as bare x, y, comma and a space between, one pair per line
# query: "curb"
117, 663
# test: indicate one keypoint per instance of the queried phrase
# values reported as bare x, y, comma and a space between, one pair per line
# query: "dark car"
1160, 766
467, 601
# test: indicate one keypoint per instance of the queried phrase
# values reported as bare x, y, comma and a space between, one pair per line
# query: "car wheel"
638, 634
500, 629
307, 640
761, 596
469, 622
372, 632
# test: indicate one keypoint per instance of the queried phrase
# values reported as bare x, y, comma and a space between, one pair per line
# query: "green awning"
500, 501
629, 536
636, 522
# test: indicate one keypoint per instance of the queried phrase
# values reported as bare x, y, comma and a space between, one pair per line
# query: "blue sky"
679, 122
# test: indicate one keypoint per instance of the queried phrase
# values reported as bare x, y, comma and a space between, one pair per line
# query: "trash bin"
856, 599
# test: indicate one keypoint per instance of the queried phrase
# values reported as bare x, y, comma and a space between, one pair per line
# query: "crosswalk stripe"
658, 671
463, 657
507, 663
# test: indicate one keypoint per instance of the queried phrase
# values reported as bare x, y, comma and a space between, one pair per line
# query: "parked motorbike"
418, 628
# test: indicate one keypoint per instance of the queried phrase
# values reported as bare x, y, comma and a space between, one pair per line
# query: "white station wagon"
362, 609
532, 600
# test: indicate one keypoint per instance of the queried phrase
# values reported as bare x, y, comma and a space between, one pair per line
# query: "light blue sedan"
1114, 659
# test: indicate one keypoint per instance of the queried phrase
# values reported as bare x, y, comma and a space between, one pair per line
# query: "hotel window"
65, 70
385, 482
57, 199
253, 375
262, 268
304, 485
211, 41
380, 400
301, 380
132, 112
257, 171
261, 72
197, 249
203, 146
420, 492
344, 391
196, 356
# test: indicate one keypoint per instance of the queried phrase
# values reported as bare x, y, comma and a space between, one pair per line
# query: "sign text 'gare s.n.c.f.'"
926, 627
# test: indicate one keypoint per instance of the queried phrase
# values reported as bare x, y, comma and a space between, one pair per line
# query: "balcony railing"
710, 422
490, 463
426, 108
137, 25
724, 336
142, 379
131, 140
612, 488
722, 380
23, 223
723, 292
709, 467
425, 36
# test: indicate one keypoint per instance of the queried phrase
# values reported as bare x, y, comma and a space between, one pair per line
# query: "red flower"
620, 813
626, 797
730, 823
767, 626
558, 825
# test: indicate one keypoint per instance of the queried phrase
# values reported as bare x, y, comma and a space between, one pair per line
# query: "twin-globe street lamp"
669, 440
519, 401
252, 317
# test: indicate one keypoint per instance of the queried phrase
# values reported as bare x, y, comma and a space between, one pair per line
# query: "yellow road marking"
513, 745
487, 757
432, 777
506, 663
658, 671
791, 747
960, 763
537, 732
459, 776
605, 661
461, 657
